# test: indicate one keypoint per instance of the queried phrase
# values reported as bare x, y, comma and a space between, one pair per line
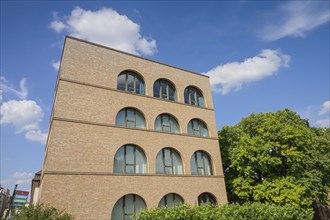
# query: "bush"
255, 211
41, 212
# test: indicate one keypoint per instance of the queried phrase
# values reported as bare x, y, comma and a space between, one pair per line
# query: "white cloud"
324, 123
23, 177
5, 88
57, 26
107, 27
295, 18
232, 76
37, 136
316, 114
56, 65
25, 115
325, 108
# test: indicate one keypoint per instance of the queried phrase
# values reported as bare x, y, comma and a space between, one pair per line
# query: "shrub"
41, 212
255, 211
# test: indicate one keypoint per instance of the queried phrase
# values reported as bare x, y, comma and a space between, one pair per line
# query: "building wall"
83, 138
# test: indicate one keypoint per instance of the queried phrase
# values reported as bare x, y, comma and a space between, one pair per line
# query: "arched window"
127, 206
206, 198
200, 164
170, 200
130, 159
131, 118
166, 123
168, 161
198, 128
193, 96
130, 82
165, 90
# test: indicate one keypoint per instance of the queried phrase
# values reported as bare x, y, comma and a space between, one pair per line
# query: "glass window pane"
121, 82
168, 170
120, 118
174, 126
166, 129
138, 86
205, 132
129, 205
159, 163
165, 120
192, 97
186, 96
130, 83
130, 118
142, 90
190, 128
199, 159
177, 163
171, 93
156, 89
119, 161
162, 202
129, 154
140, 122
167, 157
201, 101
193, 165
207, 165
164, 90
140, 166
158, 125
117, 211
139, 204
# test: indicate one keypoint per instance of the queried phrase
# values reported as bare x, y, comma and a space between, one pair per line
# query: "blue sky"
261, 56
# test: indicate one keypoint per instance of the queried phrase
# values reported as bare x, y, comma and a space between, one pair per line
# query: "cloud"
324, 123
325, 108
37, 136
318, 115
57, 26
23, 177
25, 115
107, 27
295, 18
232, 76
56, 65
7, 89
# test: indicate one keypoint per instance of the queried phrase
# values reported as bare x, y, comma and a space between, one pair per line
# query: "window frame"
168, 84
125, 164
171, 120
136, 77
192, 90
172, 166
124, 215
199, 130
209, 197
165, 197
204, 156
126, 120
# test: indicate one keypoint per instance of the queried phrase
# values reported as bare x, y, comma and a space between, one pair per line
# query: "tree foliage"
41, 212
276, 158
255, 211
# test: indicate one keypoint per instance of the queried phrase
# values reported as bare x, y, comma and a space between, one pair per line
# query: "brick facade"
83, 138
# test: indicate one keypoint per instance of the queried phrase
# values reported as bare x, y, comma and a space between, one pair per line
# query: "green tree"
41, 212
276, 158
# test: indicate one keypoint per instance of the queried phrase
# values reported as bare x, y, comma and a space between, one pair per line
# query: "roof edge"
133, 55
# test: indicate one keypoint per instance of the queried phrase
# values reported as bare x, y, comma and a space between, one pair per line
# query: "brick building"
128, 133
